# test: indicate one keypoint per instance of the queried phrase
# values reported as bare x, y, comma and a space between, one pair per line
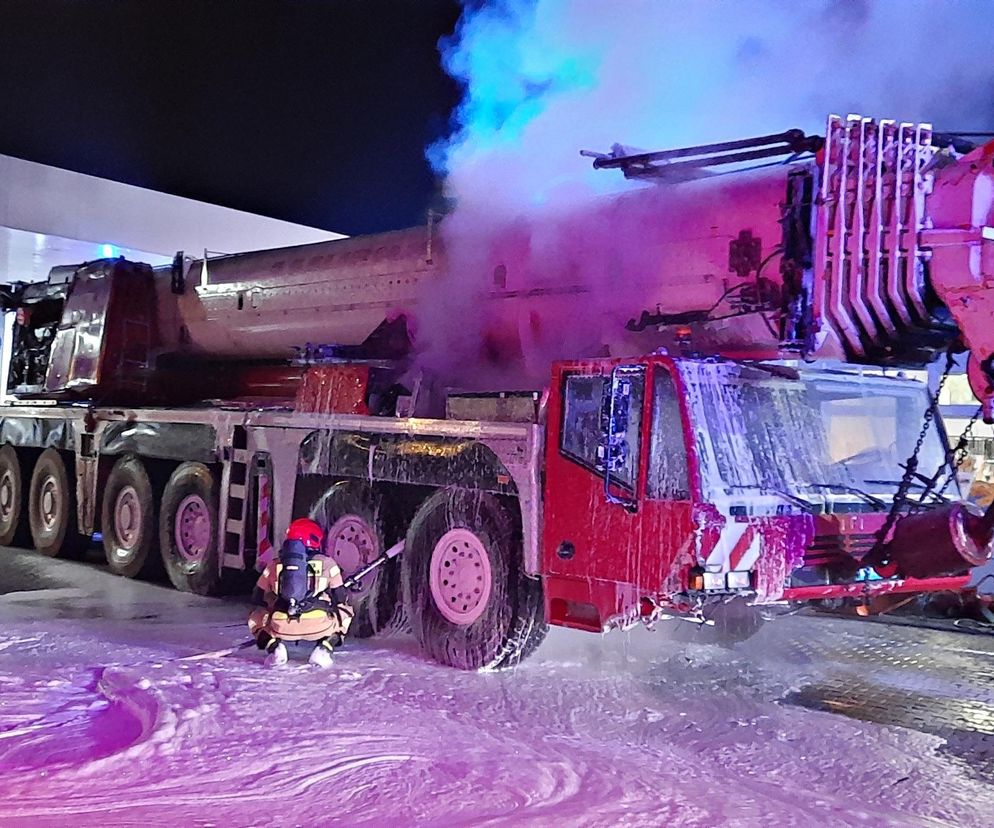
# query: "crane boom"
901, 239
871, 244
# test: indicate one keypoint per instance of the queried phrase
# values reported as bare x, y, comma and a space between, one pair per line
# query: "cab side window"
583, 408
581, 432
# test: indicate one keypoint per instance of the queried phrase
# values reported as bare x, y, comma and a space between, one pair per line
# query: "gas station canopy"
50, 216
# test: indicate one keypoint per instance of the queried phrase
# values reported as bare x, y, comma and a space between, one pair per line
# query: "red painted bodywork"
606, 565
334, 389
626, 561
247, 383
106, 338
620, 556
867, 588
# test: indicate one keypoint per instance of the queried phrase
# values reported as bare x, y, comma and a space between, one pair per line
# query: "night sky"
312, 111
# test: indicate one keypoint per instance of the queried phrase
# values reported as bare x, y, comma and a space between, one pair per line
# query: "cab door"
617, 491
671, 489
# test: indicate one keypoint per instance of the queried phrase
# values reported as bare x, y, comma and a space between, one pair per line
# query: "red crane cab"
675, 483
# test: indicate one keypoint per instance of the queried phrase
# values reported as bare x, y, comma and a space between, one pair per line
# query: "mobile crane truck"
725, 419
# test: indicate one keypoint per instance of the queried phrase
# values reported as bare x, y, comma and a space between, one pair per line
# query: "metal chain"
958, 455
911, 465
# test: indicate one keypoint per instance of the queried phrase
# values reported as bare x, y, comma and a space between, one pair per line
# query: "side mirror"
614, 450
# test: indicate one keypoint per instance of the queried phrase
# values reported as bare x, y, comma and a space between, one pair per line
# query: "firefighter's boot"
321, 654
277, 655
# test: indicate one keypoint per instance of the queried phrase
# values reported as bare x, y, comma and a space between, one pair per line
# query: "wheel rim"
352, 544
50, 503
127, 519
193, 528
460, 576
6, 496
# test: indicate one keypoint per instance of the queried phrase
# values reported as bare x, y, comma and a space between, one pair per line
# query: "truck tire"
52, 508
13, 503
465, 594
188, 530
130, 520
529, 629
731, 623
351, 515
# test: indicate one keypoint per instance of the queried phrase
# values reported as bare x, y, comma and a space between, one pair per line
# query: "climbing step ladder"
234, 488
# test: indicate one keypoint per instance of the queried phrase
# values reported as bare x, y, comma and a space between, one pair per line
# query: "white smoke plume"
546, 78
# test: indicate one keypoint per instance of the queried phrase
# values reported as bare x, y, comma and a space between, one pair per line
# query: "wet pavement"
941, 683
823, 720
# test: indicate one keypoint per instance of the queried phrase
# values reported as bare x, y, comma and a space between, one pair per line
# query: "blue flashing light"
108, 251
868, 574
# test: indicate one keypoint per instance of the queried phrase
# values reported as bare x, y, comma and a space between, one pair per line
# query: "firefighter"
301, 597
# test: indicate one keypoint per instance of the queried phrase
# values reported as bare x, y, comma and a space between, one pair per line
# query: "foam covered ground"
102, 724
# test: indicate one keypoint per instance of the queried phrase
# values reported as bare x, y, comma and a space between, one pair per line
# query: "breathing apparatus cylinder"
294, 576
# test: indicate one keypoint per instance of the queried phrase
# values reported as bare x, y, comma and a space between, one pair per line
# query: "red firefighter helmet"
307, 532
